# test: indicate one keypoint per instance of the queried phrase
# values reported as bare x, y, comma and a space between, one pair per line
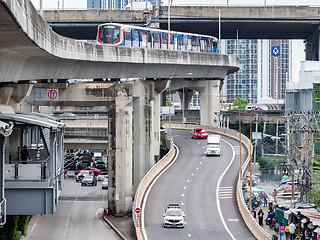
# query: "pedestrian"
286, 231
276, 227
254, 213
292, 230
24, 154
281, 229
260, 216
306, 234
270, 219
265, 200
270, 207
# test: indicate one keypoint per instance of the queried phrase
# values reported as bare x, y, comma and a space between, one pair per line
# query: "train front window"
109, 34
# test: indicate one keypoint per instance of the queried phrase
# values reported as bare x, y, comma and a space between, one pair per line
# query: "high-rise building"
265, 67
93, 4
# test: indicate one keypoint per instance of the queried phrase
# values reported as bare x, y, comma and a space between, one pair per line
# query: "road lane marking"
192, 175
189, 235
184, 187
148, 191
35, 223
198, 142
233, 220
217, 191
237, 150
188, 180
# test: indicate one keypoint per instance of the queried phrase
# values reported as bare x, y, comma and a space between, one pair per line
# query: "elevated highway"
254, 22
261, 22
30, 50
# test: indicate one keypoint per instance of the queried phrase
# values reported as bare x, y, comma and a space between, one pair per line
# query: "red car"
257, 109
199, 133
96, 171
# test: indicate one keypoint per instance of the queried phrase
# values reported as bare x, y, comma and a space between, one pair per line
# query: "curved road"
192, 182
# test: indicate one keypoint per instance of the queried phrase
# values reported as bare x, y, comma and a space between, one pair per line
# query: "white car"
102, 176
173, 216
82, 174
105, 183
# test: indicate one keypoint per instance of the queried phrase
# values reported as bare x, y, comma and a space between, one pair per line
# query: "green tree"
168, 103
243, 103
270, 162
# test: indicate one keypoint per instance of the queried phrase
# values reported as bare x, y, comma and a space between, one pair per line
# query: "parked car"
163, 130
199, 133
82, 174
105, 183
173, 216
102, 176
89, 180
100, 164
96, 171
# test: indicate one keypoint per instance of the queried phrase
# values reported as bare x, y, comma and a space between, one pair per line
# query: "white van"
213, 145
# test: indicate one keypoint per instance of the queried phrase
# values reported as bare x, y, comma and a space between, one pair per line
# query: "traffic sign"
138, 210
275, 51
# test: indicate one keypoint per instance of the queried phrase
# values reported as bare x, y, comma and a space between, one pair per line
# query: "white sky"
298, 47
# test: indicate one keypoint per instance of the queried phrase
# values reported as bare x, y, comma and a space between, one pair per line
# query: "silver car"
173, 216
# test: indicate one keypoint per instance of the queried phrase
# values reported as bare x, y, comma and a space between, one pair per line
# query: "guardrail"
253, 226
144, 184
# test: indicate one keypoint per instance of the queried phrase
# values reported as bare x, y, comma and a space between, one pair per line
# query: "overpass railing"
146, 181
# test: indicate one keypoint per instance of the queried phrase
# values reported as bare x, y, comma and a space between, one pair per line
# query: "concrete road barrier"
253, 226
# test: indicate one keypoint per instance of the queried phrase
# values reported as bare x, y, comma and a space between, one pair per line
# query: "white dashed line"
188, 180
184, 187
189, 235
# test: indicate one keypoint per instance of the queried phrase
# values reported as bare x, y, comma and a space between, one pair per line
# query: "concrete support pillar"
120, 151
209, 102
52, 167
187, 98
156, 127
313, 46
5, 95
143, 130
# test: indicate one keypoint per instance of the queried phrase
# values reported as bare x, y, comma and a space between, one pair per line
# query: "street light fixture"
250, 153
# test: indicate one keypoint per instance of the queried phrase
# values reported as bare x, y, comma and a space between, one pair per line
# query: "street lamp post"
169, 3
250, 153
239, 132
87, 122
292, 172
183, 105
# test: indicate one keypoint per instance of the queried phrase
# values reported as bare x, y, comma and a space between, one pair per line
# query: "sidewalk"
123, 226
268, 187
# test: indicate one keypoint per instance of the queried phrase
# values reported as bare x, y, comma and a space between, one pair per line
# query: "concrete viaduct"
31, 53
257, 22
